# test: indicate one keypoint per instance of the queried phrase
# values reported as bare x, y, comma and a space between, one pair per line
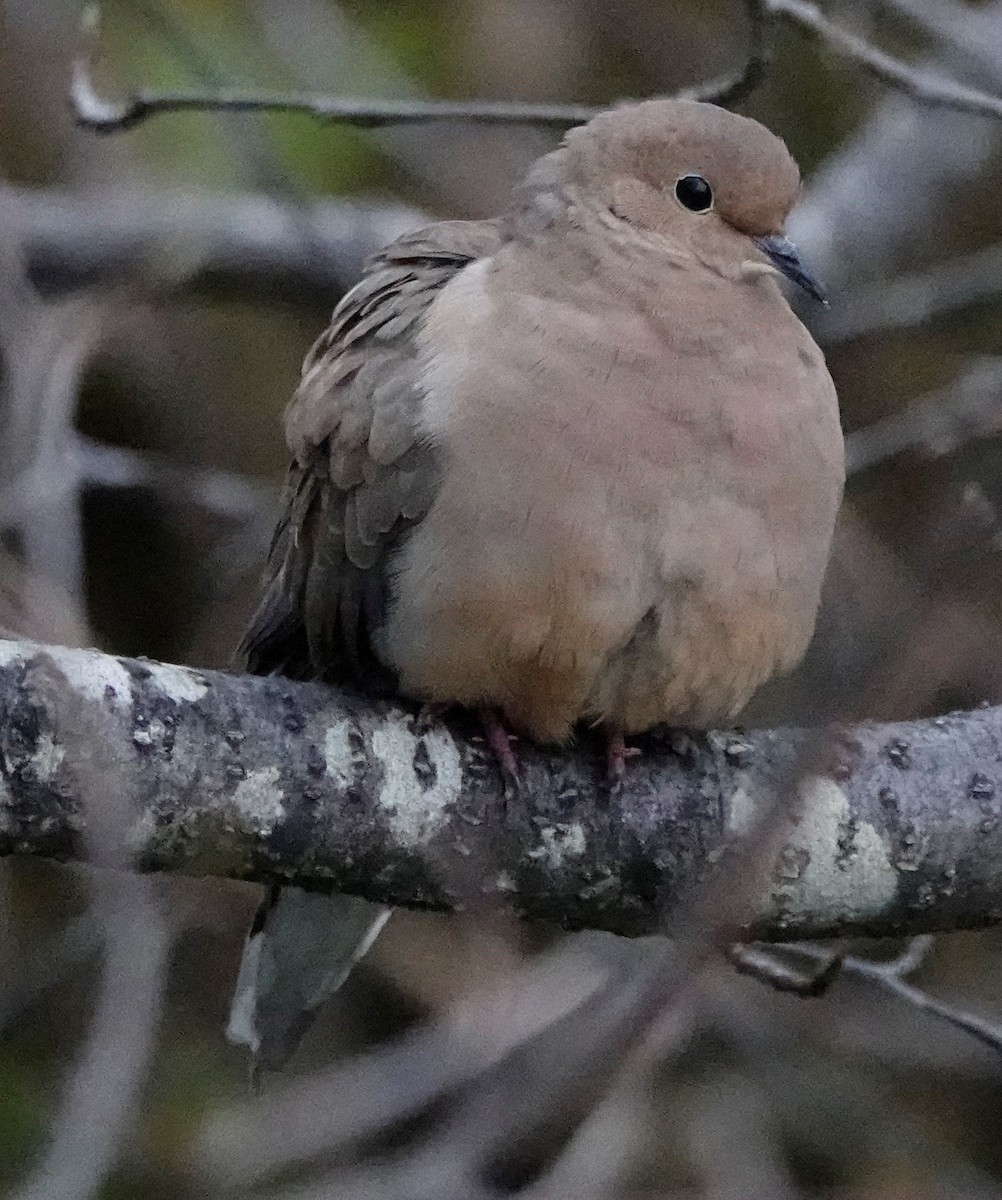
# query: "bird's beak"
785, 257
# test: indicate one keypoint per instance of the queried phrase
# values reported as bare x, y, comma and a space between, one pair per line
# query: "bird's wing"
361, 475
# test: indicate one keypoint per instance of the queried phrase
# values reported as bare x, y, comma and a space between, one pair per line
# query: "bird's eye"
694, 193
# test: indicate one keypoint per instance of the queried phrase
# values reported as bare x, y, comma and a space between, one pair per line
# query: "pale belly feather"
603, 548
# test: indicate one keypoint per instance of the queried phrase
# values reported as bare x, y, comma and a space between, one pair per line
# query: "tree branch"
262, 778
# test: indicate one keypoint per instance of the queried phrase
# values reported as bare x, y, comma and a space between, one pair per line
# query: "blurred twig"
891, 977
963, 28
251, 247
936, 425
767, 966
919, 84
99, 1102
43, 349
501, 1078
104, 116
915, 299
222, 494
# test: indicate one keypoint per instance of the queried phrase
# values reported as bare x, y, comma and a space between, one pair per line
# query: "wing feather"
361, 475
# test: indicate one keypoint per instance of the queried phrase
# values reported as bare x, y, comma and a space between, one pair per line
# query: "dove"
577, 465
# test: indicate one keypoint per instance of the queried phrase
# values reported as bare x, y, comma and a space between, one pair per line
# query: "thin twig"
921, 86
104, 116
935, 425
915, 299
767, 966
729, 90
889, 976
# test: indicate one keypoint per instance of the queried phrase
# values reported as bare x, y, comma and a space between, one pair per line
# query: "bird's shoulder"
367, 355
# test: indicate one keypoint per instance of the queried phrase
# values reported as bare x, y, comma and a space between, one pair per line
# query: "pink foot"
616, 755
499, 740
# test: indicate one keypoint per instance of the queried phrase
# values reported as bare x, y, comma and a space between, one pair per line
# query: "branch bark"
261, 778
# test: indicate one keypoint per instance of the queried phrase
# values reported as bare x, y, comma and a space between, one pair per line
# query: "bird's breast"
634, 513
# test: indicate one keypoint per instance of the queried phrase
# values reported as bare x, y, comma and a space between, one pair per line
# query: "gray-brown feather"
361, 475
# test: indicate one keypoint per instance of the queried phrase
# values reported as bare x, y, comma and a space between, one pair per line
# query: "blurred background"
158, 290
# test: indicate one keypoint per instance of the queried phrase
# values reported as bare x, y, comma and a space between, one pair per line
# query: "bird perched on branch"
578, 464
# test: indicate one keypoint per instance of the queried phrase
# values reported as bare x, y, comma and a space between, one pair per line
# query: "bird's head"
715, 184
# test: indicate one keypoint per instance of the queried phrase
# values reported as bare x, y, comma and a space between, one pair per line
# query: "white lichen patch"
179, 685
6, 817
12, 652
96, 676
338, 753
259, 801
46, 759
150, 735
558, 843
828, 870
141, 834
415, 807
604, 886
740, 815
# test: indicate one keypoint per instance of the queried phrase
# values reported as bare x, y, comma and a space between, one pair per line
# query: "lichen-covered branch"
895, 829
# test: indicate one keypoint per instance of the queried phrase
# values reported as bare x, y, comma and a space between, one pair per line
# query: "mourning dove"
578, 464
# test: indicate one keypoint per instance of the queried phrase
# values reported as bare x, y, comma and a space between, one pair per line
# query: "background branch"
105, 116
246, 247
936, 425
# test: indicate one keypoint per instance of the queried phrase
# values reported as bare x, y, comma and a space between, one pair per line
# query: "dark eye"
694, 193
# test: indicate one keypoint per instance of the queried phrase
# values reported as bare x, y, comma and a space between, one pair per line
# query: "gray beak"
785, 257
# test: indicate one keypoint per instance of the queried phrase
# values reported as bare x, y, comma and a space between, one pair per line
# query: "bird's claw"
499, 741
617, 754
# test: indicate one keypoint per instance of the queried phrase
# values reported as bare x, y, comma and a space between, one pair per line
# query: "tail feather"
299, 951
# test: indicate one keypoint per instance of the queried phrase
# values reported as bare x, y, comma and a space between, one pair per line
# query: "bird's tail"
299, 951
